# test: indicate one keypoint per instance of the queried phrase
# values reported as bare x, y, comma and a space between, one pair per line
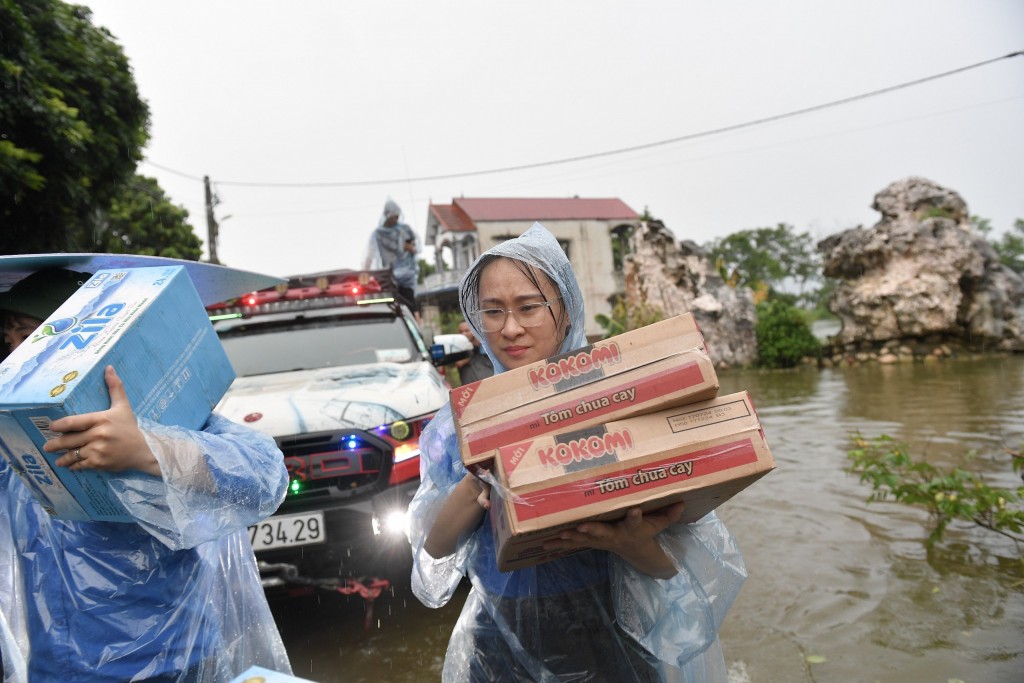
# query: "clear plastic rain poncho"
589, 616
386, 248
178, 591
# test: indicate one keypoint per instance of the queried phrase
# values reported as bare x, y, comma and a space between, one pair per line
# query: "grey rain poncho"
589, 616
177, 590
385, 249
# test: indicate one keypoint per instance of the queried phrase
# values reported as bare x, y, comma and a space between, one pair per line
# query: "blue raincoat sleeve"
541, 623
214, 482
175, 595
435, 580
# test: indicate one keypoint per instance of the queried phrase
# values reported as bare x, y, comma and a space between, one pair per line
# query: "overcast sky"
317, 94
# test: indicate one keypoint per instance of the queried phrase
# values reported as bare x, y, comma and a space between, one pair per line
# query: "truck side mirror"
449, 348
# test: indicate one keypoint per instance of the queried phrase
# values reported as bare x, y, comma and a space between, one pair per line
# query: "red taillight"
250, 300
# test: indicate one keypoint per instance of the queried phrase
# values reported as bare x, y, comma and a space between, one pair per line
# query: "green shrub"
784, 336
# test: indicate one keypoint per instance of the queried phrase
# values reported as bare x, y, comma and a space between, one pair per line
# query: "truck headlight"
394, 523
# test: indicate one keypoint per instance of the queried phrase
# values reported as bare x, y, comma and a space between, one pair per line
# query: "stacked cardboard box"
646, 430
151, 326
655, 367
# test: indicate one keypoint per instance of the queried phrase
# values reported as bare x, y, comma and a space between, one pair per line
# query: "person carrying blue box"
173, 595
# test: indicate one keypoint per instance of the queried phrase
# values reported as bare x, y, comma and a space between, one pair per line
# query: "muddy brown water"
848, 584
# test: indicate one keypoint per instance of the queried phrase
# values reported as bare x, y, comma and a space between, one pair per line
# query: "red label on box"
596, 404
627, 481
463, 395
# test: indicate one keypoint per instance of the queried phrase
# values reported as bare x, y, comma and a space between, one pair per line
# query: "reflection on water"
830, 575
328, 642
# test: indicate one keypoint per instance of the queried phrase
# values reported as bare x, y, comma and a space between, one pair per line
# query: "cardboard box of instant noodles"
702, 453
647, 369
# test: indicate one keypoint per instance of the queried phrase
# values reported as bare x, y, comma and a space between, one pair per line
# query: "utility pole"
211, 221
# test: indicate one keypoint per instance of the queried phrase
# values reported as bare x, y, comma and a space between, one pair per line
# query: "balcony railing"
448, 278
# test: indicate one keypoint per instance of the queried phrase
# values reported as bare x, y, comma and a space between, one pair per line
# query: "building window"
622, 236
467, 252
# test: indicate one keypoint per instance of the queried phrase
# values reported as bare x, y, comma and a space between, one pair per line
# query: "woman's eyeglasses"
527, 315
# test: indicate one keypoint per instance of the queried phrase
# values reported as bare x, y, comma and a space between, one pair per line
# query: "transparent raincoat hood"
538, 248
589, 616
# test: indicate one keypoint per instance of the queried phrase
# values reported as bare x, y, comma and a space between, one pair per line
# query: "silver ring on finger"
78, 455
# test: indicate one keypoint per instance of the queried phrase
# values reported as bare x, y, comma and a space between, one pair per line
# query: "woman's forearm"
461, 514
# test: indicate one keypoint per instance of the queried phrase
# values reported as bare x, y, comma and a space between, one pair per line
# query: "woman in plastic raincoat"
175, 596
643, 602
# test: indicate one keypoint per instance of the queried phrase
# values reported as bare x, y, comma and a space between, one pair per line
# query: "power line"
171, 170
615, 170
613, 152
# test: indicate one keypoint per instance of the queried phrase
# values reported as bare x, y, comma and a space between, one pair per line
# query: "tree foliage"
784, 337
625, 318
425, 269
142, 220
764, 258
817, 300
948, 495
72, 126
1010, 246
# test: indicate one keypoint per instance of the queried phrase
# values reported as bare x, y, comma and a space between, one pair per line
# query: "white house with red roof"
593, 232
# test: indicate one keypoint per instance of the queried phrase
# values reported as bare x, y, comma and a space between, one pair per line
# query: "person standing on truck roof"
173, 597
394, 246
644, 597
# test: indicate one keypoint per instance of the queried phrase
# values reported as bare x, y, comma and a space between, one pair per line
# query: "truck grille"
335, 464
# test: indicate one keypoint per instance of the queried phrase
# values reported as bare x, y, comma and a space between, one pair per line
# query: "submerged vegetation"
949, 495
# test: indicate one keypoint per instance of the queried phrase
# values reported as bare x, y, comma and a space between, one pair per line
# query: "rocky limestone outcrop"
921, 278
677, 277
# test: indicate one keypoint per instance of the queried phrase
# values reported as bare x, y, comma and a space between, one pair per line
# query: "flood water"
831, 576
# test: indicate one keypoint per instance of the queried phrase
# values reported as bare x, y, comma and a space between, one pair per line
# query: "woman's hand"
632, 539
483, 499
105, 440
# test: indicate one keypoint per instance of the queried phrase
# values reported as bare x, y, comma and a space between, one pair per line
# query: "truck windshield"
258, 347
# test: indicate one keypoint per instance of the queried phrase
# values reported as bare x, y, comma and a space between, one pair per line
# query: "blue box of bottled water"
150, 325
